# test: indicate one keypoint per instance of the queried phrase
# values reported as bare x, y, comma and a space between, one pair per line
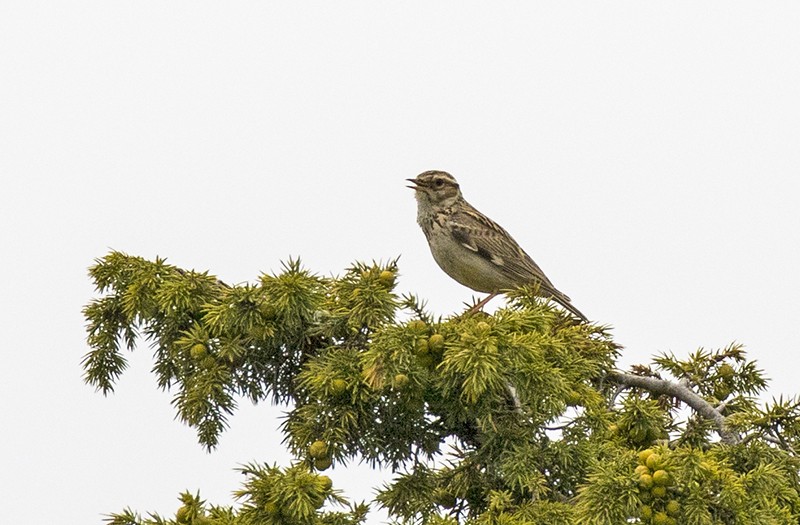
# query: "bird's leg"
482, 303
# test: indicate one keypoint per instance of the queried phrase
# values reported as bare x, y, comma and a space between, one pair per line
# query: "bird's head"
435, 188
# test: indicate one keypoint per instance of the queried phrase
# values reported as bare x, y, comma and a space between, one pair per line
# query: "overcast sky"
647, 155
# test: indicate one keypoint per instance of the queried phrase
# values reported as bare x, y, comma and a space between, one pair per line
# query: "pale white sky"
647, 155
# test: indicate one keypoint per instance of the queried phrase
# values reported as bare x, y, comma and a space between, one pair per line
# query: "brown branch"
682, 392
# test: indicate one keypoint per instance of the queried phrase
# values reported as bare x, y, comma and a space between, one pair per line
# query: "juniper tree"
511, 418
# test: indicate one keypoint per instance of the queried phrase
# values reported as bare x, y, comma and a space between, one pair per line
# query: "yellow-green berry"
661, 478
318, 449
401, 381
659, 492
644, 454
653, 462
646, 481
198, 351
338, 387
326, 483
673, 507
387, 278
436, 342
322, 463
417, 325
660, 518
726, 371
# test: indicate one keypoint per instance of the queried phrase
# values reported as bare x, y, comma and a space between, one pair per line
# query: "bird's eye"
438, 183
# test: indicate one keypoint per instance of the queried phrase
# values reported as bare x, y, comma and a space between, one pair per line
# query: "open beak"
415, 186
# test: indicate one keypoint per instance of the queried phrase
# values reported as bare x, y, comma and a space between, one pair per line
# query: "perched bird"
473, 249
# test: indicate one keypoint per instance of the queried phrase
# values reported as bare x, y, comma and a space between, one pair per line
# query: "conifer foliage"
518, 417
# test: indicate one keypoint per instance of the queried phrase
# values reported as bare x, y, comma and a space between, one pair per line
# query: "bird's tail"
564, 301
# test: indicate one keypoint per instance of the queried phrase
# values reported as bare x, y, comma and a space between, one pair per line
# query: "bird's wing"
489, 240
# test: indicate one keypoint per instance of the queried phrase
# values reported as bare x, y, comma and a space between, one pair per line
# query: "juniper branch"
681, 392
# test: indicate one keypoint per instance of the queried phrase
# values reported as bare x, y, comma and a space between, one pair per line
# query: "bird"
473, 249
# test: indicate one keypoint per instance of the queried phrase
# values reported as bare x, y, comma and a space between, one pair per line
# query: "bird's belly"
466, 266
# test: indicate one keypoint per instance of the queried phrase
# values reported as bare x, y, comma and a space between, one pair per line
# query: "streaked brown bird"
473, 249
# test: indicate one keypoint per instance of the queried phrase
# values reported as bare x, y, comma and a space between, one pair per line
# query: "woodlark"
473, 249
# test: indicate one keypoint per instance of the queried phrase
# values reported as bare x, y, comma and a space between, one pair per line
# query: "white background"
647, 155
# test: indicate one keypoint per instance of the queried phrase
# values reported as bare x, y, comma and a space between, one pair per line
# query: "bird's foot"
481, 304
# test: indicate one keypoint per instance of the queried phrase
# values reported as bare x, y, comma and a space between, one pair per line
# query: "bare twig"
781, 441
682, 392
562, 427
615, 395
